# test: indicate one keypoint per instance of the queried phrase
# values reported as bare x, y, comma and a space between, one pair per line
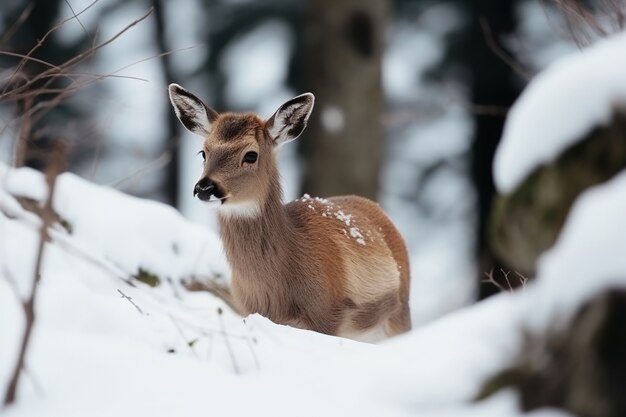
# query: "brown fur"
336, 266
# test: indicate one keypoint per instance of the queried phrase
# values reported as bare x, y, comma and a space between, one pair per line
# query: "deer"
332, 265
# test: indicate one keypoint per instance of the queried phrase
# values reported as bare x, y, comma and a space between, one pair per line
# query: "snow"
559, 107
170, 351
538, 40
588, 256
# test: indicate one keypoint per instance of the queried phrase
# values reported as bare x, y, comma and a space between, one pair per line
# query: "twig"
130, 300
226, 341
65, 242
501, 53
19, 22
221, 291
41, 42
29, 304
523, 279
182, 335
506, 274
158, 163
491, 280
506, 277
79, 22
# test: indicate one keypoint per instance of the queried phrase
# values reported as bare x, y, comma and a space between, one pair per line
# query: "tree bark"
494, 83
172, 131
343, 44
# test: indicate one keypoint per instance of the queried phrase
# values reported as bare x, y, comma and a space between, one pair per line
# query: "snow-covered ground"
168, 351
101, 346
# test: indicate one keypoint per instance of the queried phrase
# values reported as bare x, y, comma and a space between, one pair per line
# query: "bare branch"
221, 291
501, 53
19, 22
41, 42
491, 280
226, 341
58, 158
130, 300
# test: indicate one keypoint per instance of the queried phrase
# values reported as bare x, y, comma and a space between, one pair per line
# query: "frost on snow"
570, 98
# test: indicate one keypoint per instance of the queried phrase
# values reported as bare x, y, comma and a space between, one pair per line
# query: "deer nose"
204, 189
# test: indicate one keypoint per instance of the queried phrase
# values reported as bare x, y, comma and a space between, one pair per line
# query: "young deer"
336, 266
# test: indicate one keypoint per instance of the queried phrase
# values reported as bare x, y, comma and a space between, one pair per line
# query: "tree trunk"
173, 130
343, 45
494, 83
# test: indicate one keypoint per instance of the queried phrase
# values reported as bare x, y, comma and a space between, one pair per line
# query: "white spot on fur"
213, 202
243, 210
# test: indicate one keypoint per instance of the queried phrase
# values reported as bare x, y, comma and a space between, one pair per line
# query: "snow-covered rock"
559, 107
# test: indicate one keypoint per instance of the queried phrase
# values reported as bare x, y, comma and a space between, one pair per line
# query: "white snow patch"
343, 217
356, 233
588, 256
559, 107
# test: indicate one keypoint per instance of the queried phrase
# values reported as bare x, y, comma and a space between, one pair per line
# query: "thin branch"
491, 280
29, 304
221, 291
80, 22
158, 163
41, 42
64, 241
183, 337
19, 22
226, 341
501, 53
130, 300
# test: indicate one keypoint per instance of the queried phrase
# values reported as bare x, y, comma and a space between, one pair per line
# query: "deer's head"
238, 149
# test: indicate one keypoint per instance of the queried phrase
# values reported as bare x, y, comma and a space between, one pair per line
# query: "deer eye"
250, 157
203, 155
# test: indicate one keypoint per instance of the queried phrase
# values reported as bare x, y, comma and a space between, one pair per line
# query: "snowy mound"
103, 347
559, 107
589, 256
127, 233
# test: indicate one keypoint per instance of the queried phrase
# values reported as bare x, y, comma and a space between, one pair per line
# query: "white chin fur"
213, 202
249, 209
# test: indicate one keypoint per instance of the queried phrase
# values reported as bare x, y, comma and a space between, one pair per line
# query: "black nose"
204, 189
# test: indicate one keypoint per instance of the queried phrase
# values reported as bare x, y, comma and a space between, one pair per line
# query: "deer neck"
257, 243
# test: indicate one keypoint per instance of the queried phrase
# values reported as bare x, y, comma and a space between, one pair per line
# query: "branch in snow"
58, 158
219, 290
510, 285
130, 300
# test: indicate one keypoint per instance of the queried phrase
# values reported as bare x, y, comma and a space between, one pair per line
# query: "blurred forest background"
411, 101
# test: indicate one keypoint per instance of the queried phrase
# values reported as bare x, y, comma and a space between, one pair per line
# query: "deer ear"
290, 119
191, 111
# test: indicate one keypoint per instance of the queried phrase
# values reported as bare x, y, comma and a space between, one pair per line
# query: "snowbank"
170, 352
588, 256
562, 104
